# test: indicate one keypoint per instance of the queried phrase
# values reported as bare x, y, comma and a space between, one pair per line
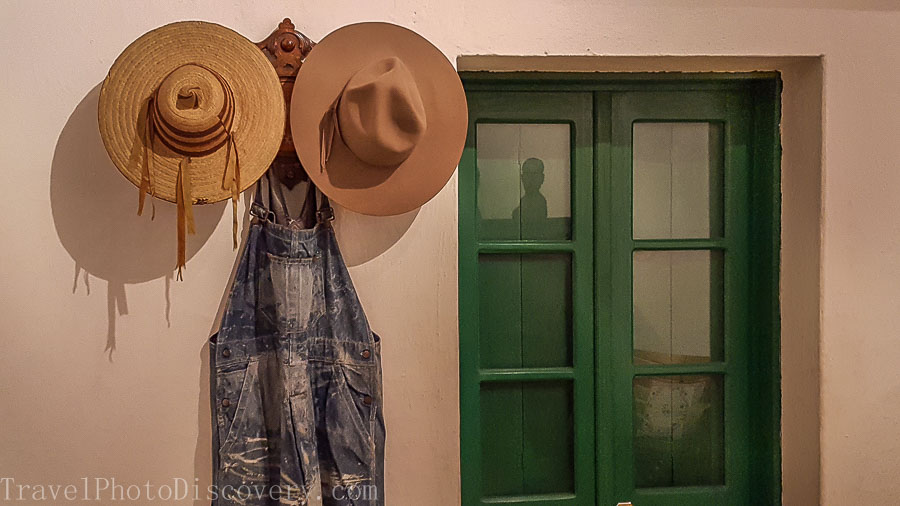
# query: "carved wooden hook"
286, 48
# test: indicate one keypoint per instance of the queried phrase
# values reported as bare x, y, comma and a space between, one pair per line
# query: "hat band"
328, 128
191, 144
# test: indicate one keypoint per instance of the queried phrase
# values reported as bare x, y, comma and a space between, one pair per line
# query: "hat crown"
195, 109
381, 116
174, 71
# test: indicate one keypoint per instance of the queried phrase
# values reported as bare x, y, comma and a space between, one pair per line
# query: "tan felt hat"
192, 113
379, 118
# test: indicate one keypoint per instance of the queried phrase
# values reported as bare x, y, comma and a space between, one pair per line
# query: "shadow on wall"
95, 213
363, 238
203, 450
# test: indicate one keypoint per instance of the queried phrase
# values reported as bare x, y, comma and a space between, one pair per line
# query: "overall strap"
259, 208
269, 204
325, 214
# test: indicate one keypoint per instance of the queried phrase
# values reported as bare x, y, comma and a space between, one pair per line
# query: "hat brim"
349, 181
259, 114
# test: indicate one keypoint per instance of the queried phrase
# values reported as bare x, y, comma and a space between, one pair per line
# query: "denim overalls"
295, 370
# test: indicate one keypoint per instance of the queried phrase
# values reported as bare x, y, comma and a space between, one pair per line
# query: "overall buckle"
260, 214
325, 215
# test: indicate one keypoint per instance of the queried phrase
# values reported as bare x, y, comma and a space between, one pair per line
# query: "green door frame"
752, 447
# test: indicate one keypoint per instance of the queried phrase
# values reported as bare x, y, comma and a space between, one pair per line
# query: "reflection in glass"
525, 310
533, 205
523, 180
678, 182
678, 306
679, 431
527, 439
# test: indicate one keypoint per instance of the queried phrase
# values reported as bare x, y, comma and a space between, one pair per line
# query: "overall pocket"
244, 446
350, 421
295, 296
239, 403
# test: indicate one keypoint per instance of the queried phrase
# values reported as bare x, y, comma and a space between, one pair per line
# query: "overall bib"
295, 369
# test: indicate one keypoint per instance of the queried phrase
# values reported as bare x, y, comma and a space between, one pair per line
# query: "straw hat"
192, 113
379, 118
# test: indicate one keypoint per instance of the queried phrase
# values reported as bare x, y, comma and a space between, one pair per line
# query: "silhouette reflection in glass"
531, 214
530, 219
532, 205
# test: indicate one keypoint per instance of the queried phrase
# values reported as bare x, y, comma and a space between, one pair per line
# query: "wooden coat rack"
286, 48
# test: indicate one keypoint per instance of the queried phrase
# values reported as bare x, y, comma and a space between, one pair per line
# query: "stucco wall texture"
103, 372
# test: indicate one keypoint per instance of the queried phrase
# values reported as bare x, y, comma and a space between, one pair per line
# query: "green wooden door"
616, 319
526, 274
678, 243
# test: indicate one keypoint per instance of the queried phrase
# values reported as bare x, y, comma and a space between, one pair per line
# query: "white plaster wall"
77, 267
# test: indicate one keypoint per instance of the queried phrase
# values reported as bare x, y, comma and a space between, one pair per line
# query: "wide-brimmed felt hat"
378, 118
192, 113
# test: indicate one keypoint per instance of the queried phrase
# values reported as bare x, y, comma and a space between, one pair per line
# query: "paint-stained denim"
296, 378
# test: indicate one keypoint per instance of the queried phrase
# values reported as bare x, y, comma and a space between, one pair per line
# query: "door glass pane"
523, 180
525, 310
679, 435
678, 305
527, 440
678, 182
